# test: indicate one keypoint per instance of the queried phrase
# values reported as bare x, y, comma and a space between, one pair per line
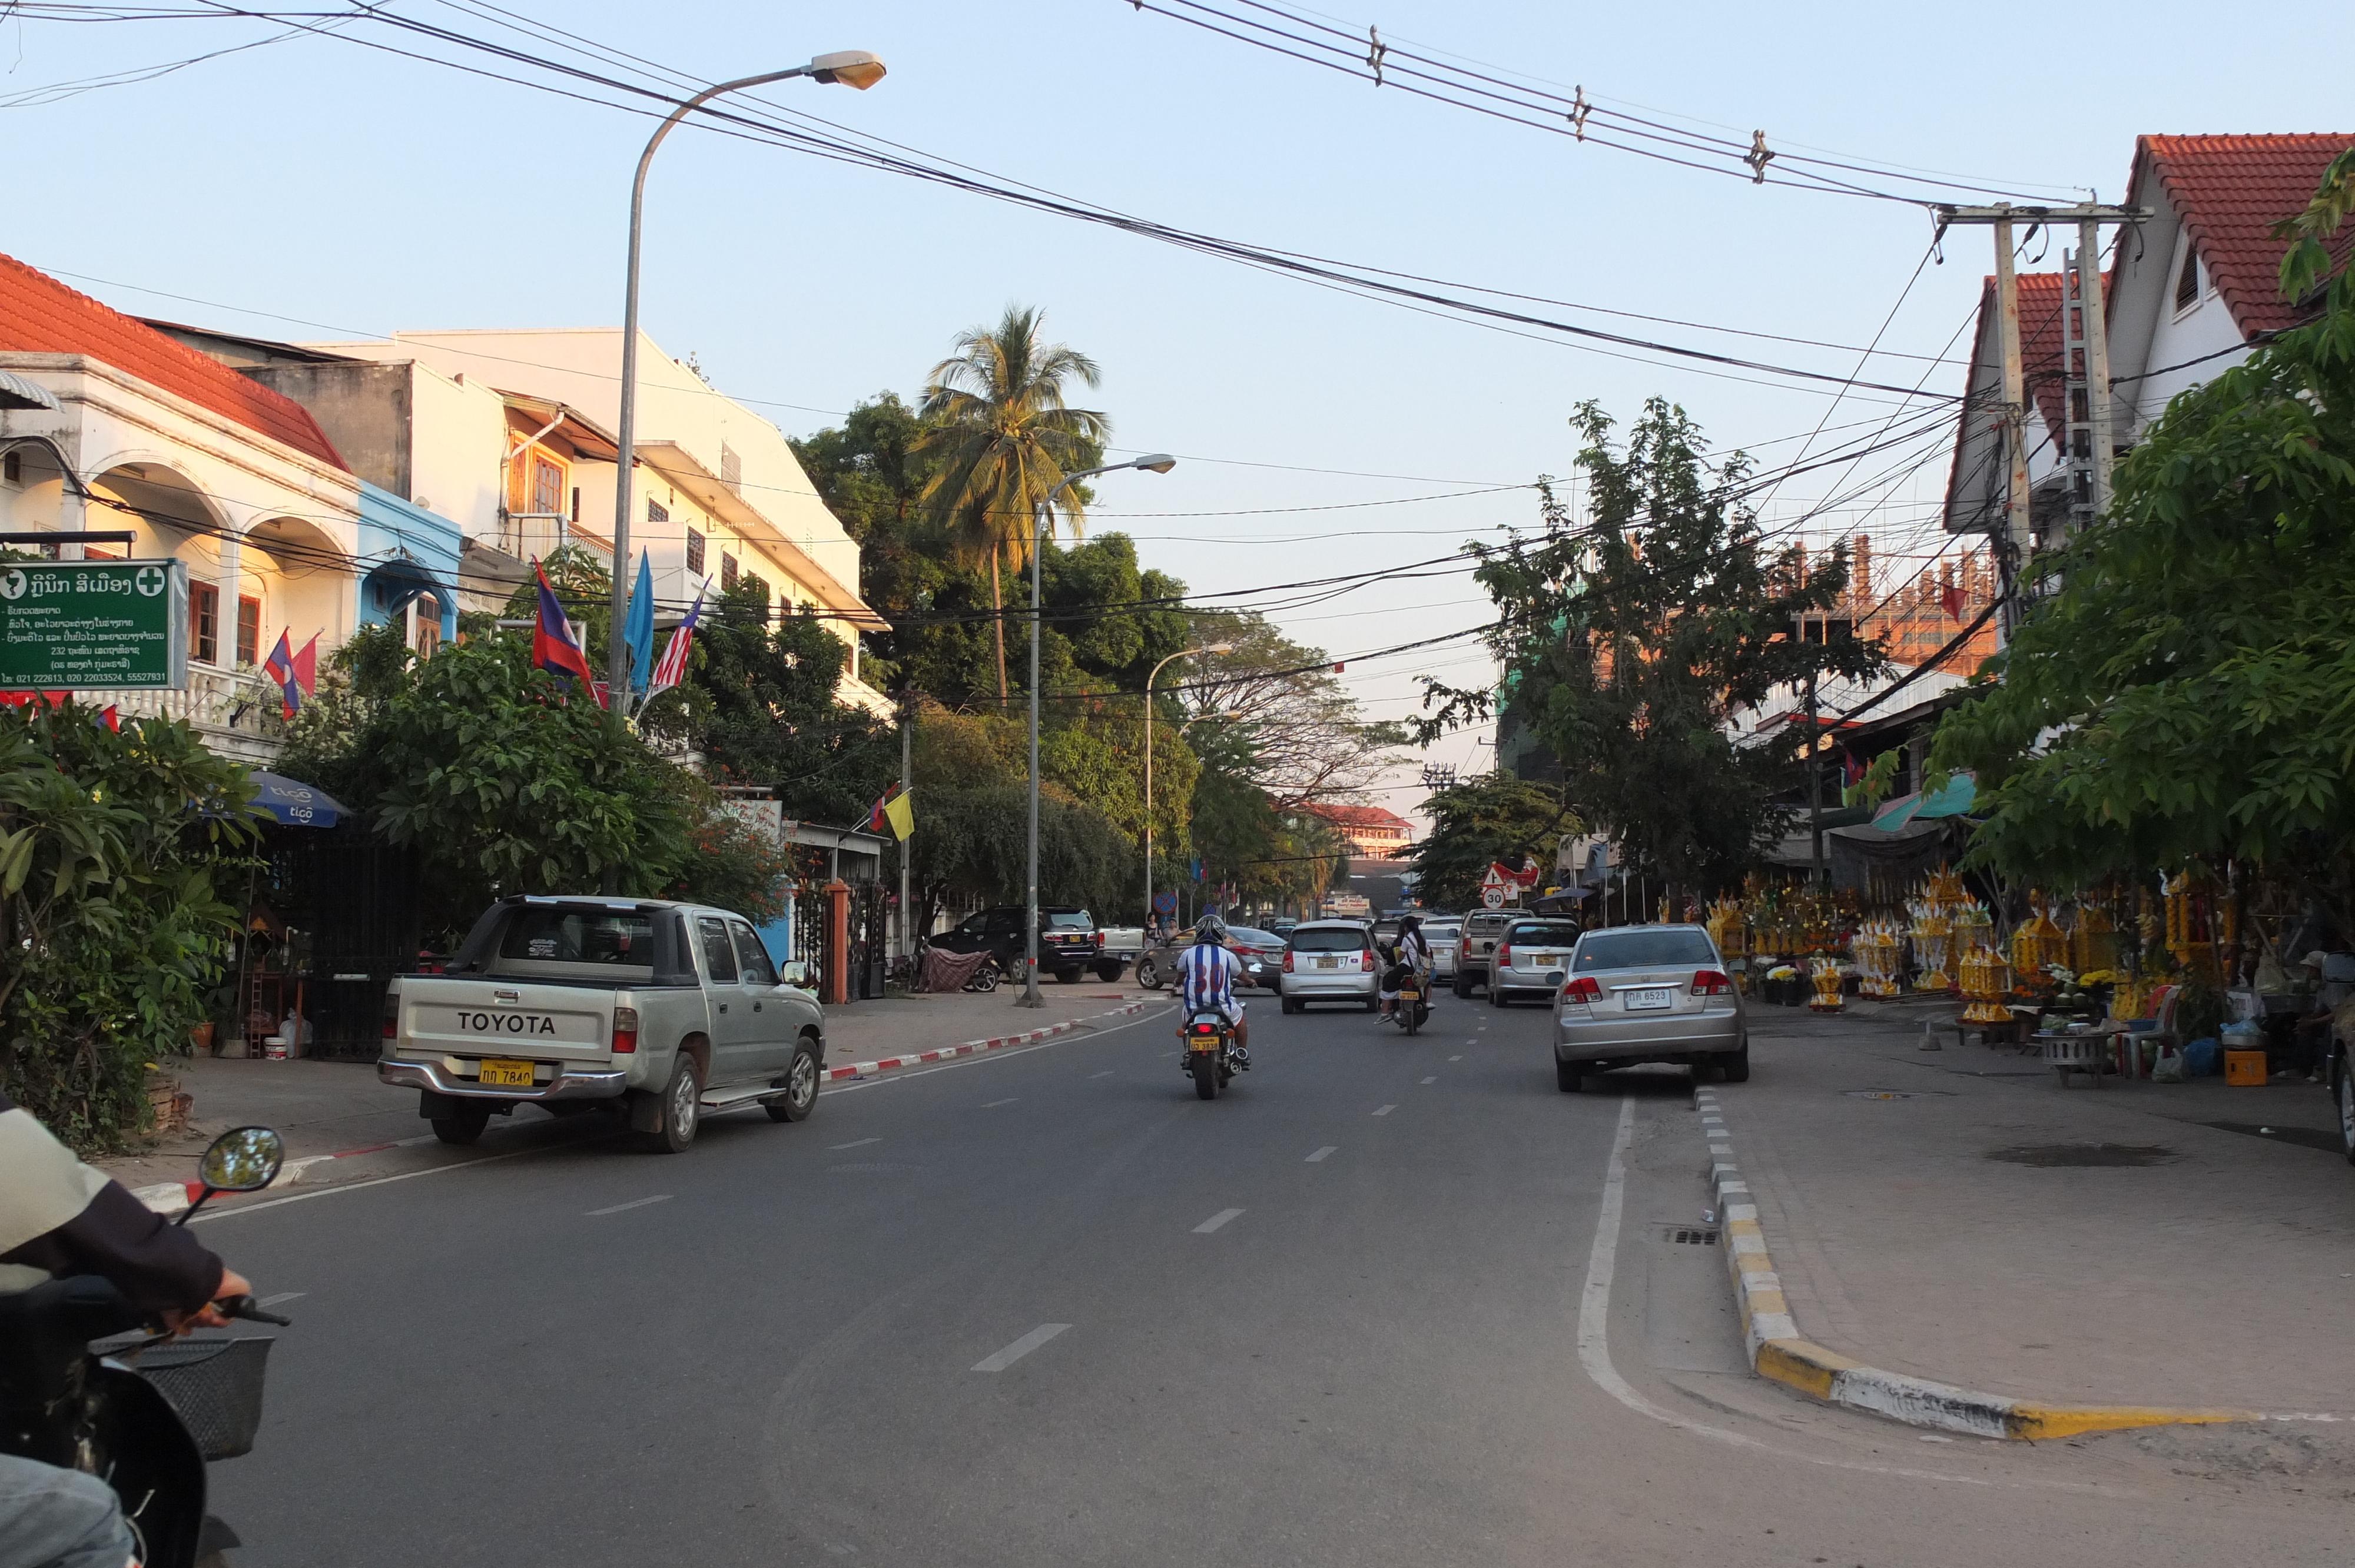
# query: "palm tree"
1000, 438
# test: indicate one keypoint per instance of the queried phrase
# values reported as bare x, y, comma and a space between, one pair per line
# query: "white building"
718, 494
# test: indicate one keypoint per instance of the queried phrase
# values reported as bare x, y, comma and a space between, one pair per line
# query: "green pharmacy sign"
84, 625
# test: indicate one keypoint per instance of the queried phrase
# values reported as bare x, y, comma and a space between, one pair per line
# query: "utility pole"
2017, 543
907, 776
1814, 779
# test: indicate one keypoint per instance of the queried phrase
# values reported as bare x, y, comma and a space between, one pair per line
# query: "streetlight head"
1220, 648
851, 68
1159, 462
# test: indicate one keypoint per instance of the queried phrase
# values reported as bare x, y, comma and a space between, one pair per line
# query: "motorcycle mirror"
242, 1160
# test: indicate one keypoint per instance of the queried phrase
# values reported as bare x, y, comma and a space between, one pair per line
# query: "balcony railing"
237, 712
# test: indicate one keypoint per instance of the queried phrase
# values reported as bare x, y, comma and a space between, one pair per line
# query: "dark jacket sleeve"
157, 1265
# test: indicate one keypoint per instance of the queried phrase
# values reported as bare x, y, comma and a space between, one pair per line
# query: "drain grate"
1683, 1234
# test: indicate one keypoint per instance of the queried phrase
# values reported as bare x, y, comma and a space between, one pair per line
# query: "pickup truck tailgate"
479, 1018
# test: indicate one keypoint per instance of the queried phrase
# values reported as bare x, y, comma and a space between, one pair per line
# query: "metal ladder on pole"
2076, 392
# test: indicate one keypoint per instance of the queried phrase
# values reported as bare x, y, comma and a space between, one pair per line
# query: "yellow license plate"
506, 1074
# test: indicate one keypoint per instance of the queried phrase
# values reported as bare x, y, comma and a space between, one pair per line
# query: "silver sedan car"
1648, 993
1446, 939
1530, 959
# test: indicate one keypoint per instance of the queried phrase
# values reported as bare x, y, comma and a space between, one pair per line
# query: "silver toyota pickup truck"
661, 1010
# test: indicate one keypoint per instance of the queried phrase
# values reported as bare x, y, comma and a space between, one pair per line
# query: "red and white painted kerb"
976, 1048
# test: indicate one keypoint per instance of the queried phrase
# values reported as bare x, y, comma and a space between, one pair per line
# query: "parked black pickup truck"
1069, 944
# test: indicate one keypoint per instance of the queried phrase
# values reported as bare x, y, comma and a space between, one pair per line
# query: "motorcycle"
1210, 1053
1412, 1010
144, 1416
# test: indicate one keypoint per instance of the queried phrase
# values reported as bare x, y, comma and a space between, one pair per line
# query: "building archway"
309, 592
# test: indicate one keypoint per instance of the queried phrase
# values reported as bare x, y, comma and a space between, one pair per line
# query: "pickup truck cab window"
718, 953
581, 936
752, 956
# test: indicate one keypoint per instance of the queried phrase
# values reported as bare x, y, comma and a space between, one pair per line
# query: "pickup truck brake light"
392, 1016
625, 1031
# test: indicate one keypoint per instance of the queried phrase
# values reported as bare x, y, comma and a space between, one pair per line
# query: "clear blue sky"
344, 186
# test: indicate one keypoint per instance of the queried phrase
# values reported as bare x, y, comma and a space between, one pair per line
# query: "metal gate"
353, 899
870, 939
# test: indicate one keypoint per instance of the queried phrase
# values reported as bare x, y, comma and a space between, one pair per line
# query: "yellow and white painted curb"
1777, 1350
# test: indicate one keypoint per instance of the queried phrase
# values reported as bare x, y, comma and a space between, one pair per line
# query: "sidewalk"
1957, 1215
339, 1110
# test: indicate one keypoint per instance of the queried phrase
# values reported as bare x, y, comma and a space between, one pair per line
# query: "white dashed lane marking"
1020, 1348
633, 1204
1008, 1101
855, 1143
1386, 1110
1215, 1221
1329, 1148
1433, 1079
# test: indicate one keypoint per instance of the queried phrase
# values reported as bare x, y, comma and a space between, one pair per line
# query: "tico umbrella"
295, 803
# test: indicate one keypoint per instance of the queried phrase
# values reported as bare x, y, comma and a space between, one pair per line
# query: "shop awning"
1957, 798
295, 803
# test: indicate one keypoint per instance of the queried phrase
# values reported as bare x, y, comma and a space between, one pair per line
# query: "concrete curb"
171, 1197
1777, 1350
974, 1047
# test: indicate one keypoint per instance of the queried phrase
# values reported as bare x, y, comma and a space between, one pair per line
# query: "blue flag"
638, 630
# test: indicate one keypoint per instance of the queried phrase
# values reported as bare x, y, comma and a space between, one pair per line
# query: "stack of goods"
1932, 935
1827, 977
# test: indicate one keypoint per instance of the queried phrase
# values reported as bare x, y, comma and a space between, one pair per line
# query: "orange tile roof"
2229, 190
1358, 816
41, 315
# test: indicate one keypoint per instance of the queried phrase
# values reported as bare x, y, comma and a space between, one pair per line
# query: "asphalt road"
1048, 1307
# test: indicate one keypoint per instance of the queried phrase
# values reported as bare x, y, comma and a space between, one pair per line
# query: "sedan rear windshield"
1543, 936
1645, 950
1328, 941
1068, 919
1250, 937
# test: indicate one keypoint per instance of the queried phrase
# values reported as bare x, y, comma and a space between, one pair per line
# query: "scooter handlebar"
245, 1307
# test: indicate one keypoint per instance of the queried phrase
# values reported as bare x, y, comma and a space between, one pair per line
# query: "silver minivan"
1329, 960
1648, 993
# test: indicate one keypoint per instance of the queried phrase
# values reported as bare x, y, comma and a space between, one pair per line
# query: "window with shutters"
249, 630
535, 484
727, 571
204, 622
428, 638
695, 551
2187, 282
657, 512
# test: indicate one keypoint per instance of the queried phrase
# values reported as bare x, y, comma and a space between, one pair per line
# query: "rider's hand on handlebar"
232, 1284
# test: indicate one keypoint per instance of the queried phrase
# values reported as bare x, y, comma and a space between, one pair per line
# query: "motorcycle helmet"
1208, 932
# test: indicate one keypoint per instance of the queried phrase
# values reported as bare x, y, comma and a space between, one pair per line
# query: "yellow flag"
901, 815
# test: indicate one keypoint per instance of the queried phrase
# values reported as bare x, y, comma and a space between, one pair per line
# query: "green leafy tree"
1630, 645
1481, 821
112, 929
759, 703
2185, 693
999, 436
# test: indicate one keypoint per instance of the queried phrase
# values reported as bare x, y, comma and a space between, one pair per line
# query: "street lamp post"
1157, 462
1181, 653
850, 67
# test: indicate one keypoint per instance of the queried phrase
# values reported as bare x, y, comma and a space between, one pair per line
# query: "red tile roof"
1358, 816
2229, 190
41, 315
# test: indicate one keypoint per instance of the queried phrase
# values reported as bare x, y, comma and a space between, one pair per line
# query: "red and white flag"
671, 667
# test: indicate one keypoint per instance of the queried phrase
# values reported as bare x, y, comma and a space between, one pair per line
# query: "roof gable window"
2187, 282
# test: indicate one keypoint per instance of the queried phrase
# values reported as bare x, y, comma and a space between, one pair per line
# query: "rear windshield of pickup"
581, 936
1067, 919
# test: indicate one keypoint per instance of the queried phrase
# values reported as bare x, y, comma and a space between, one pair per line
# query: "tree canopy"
1482, 821
1632, 640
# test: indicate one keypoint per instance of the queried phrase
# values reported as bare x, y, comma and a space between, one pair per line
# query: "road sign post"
91, 625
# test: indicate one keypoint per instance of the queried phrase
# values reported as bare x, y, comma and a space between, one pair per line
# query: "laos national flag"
552, 646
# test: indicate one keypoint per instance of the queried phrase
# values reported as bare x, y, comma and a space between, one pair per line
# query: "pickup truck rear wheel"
800, 1088
1070, 977
463, 1125
679, 1110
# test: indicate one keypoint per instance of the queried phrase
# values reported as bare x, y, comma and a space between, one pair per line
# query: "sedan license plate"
1639, 1000
506, 1074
